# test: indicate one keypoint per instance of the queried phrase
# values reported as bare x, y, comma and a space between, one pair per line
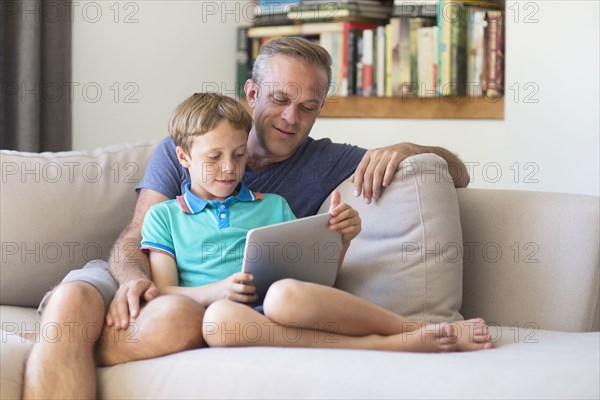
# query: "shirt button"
222, 206
223, 216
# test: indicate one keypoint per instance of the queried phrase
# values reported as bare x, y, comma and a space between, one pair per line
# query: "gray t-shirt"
304, 180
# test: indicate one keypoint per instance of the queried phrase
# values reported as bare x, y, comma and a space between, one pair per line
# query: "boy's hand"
344, 219
237, 287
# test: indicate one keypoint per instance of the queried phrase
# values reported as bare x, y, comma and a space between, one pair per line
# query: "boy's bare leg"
64, 367
308, 305
166, 325
231, 324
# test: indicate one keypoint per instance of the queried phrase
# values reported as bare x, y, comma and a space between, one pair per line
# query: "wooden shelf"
414, 107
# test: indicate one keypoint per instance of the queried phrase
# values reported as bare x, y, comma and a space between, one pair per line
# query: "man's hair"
201, 112
295, 47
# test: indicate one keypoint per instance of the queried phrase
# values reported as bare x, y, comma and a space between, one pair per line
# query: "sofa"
527, 262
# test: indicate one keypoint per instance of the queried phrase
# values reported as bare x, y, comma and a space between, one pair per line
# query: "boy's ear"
182, 157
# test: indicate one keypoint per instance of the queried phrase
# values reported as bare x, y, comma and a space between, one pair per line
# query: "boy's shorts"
95, 273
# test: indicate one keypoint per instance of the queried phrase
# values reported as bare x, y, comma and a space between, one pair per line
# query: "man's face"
286, 105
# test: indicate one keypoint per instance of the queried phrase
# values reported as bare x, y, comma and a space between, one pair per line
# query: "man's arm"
378, 167
130, 267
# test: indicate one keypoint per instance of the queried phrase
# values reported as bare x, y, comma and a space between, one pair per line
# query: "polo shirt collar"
192, 204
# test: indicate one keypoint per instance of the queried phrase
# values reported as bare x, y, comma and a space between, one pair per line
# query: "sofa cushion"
524, 365
80, 199
408, 258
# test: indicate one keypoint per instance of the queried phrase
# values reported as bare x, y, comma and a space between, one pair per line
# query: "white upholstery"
546, 306
407, 257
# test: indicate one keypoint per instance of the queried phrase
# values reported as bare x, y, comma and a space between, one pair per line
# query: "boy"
211, 131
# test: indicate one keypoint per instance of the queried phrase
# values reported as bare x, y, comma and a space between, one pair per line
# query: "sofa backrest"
60, 210
531, 259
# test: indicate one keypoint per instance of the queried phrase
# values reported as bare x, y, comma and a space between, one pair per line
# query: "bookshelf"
414, 107
449, 106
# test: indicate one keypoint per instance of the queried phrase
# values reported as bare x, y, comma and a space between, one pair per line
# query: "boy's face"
285, 107
216, 161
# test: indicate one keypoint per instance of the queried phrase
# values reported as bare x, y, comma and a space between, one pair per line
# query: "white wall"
166, 51
552, 46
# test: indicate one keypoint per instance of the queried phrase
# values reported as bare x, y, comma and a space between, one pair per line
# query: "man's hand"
377, 169
125, 306
378, 166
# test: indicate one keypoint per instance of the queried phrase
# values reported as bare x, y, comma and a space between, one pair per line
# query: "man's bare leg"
64, 367
166, 325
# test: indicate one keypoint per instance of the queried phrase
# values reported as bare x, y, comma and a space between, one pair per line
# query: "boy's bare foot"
473, 334
432, 338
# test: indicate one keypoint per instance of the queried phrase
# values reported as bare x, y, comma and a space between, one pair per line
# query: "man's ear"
251, 89
182, 157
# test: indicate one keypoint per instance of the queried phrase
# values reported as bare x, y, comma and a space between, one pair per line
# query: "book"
412, 8
242, 60
358, 65
475, 51
388, 62
405, 72
400, 55
331, 41
349, 60
394, 53
274, 31
444, 19
380, 62
272, 12
367, 62
458, 49
414, 25
494, 54
425, 61
350, 10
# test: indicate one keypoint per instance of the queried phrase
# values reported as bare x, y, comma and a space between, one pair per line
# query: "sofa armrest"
531, 259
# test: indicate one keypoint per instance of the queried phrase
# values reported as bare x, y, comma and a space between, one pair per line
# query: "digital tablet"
303, 249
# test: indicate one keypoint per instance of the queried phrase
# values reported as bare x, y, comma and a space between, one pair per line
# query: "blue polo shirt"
207, 238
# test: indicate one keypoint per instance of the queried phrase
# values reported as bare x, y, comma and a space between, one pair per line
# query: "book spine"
500, 54
388, 57
358, 79
405, 67
326, 42
351, 62
459, 48
425, 62
494, 54
367, 62
475, 47
380, 74
444, 38
394, 39
434, 60
242, 61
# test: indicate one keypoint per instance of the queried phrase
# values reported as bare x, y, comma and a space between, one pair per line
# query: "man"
286, 93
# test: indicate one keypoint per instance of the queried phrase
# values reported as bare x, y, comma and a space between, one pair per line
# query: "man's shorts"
95, 273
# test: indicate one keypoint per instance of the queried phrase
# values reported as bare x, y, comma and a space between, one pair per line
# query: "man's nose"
290, 114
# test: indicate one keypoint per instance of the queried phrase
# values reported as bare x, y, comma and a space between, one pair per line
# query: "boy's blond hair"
201, 112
